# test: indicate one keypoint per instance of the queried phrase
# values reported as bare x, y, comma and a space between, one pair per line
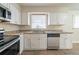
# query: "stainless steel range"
1, 34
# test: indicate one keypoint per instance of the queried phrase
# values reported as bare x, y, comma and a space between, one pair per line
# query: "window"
76, 21
38, 21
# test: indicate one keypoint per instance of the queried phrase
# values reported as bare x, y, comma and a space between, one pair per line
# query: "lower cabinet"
43, 42
21, 43
35, 41
65, 41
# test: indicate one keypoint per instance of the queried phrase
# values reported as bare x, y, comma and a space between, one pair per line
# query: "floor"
73, 51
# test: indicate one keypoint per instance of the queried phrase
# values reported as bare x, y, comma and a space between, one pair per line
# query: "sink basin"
38, 31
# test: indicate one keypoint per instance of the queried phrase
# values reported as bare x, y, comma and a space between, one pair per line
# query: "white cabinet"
18, 14
13, 18
68, 25
35, 41
15, 14
58, 18
21, 43
24, 20
61, 17
65, 41
53, 20
6, 5
43, 42
27, 42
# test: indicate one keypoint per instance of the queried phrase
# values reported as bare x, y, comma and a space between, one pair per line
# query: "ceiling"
51, 4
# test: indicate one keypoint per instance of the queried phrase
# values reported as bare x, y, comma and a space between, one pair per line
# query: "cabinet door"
13, 18
43, 41
35, 43
53, 20
18, 14
15, 14
62, 41
21, 43
61, 17
68, 41
27, 42
24, 20
68, 25
65, 41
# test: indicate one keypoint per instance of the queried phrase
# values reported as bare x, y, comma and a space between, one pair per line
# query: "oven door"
12, 50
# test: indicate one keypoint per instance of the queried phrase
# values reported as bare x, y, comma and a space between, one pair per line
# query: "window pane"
38, 21
76, 22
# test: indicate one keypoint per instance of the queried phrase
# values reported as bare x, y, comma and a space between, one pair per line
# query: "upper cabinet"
58, 18
68, 25
16, 14
24, 20
6, 5
53, 20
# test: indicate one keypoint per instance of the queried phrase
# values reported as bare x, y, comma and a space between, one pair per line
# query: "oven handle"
8, 45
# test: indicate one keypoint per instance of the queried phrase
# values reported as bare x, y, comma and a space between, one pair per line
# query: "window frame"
74, 21
38, 13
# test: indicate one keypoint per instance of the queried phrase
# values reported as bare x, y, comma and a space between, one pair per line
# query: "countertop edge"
27, 32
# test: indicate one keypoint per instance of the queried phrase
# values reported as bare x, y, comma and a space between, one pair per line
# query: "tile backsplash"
9, 27
48, 27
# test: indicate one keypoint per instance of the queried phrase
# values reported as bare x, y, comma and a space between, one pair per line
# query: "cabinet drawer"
35, 35
43, 35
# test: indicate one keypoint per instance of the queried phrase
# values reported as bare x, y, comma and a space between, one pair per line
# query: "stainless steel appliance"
2, 13
53, 40
10, 45
11, 48
1, 34
8, 14
5, 14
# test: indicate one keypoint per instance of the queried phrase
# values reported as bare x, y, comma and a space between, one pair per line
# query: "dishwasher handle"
53, 35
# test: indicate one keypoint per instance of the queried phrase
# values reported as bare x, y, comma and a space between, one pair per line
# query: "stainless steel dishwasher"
53, 40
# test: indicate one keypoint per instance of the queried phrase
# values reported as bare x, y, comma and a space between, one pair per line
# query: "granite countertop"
45, 32
8, 38
18, 32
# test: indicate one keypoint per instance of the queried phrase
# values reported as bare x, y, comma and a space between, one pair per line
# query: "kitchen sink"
38, 31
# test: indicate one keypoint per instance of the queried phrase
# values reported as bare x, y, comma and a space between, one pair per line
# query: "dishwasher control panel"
53, 34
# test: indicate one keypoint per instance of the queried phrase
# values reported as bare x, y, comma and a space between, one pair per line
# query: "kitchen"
38, 28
